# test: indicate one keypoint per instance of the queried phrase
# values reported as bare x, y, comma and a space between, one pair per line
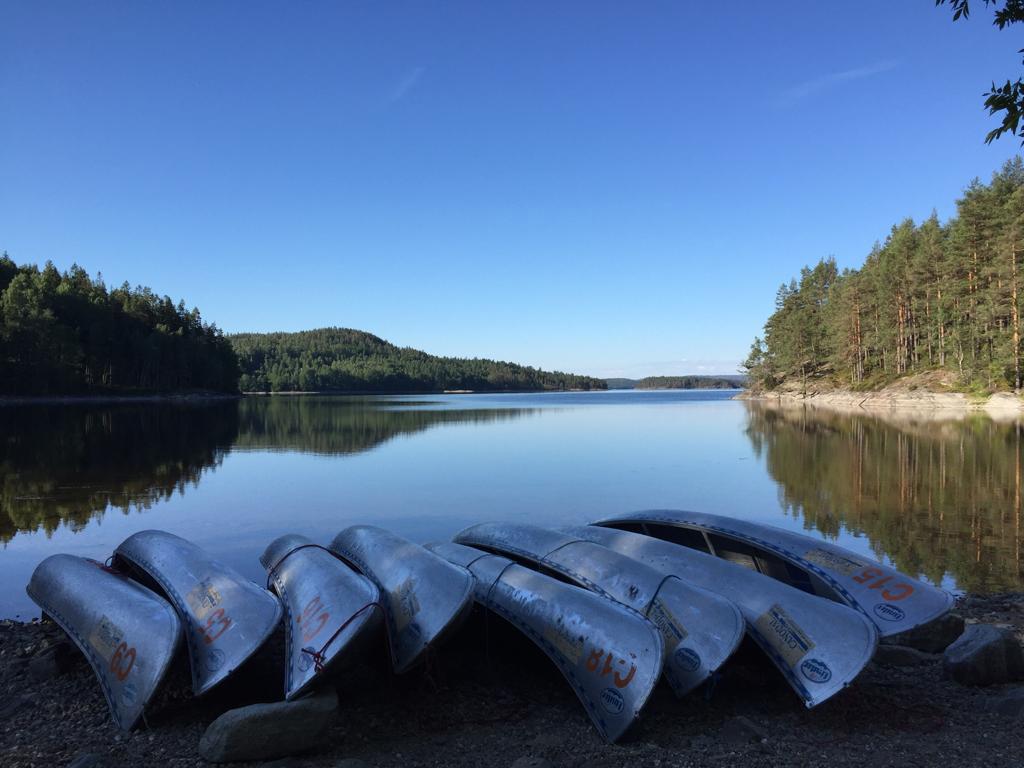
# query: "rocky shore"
491, 699
931, 393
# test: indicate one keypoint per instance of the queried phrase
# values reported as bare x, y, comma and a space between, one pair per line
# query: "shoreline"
7, 400
895, 398
112, 398
490, 698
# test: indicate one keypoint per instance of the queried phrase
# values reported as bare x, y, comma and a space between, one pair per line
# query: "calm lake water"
941, 499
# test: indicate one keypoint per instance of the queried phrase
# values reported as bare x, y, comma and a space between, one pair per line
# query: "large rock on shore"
269, 731
984, 655
933, 637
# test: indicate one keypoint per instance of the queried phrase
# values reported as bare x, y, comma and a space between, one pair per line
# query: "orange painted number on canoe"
216, 626
309, 622
609, 667
122, 661
878, 580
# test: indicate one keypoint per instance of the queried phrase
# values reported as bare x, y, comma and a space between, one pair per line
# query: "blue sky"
609, 188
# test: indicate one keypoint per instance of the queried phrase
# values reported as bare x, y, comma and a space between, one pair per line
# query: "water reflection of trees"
326, 425
936, 497
69, 464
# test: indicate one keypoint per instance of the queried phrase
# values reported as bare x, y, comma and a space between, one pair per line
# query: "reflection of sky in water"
572, 458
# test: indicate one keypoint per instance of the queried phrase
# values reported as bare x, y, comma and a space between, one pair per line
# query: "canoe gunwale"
497, 581
671, 551
318, 659
682, 682
844, 596
465, 601
181, 607
96, 662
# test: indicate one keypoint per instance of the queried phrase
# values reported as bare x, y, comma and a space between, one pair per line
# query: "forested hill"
691, 382
679, 382
933, 296
66, 333
345, 360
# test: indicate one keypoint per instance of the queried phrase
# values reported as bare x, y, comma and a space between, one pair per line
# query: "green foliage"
65, 333
931, 297
345, 360
690, 382
1009, 97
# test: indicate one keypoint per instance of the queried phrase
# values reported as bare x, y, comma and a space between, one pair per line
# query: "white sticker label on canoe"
833, 561
203, 598
670, 627
106, 637
784, 634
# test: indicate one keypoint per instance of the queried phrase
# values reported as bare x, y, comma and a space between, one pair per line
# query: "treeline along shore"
679, 382
65, 334
346, 360
935, 306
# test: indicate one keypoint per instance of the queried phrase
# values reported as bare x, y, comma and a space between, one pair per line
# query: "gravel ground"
490, 698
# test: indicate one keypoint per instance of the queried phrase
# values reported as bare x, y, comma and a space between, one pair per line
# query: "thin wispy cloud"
406, 85
809, 88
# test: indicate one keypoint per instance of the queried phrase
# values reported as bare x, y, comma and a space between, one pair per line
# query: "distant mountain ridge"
680, 382
348, 360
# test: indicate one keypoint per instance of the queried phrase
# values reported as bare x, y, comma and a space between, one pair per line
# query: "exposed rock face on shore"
491, 699
931, 392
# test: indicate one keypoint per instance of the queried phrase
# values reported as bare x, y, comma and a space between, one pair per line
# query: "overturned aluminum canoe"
893, 601
610, 654
226, 617
819, 645
701, 629
426, 597
128, 633
328, 608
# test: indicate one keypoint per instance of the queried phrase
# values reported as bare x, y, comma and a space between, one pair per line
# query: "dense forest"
933, 296
66, 333
679, 382
691, 382
344, 360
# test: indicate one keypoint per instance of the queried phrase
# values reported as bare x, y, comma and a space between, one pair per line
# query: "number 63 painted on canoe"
122, 661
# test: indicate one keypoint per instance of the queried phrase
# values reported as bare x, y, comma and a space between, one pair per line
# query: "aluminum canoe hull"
701, 629
818, 645
893, 601
425, 597
328, 609
609, 654
226, 617
128, 633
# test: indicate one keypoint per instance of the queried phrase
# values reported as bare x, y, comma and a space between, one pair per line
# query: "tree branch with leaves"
1006, 99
